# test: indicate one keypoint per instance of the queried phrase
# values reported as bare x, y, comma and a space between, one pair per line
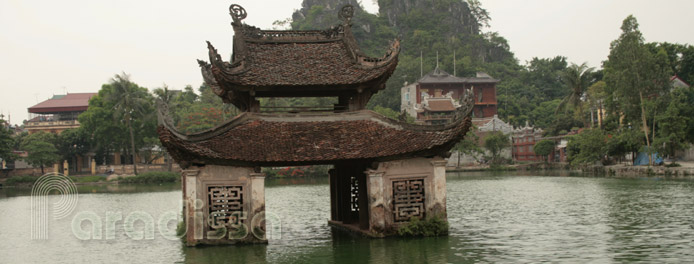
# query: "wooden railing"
53, 123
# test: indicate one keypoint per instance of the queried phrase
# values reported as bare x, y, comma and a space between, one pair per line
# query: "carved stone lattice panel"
354, 194
408, 199
225, 205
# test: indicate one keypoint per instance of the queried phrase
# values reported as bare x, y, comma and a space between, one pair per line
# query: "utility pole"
454, 73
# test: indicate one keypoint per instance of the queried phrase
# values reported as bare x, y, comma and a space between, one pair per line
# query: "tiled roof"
284, 59
441, 76
253, 139
71, 102
440, 105
296, 64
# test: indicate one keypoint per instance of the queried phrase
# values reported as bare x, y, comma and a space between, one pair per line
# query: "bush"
431, 226
153, 177
25, 179
91, 178
673, 164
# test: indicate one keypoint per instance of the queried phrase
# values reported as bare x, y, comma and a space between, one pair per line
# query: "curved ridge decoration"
346, 13
237, 13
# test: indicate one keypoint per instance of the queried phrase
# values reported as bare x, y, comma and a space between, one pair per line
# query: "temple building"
58, 113
432, 99
524, 140
385, 172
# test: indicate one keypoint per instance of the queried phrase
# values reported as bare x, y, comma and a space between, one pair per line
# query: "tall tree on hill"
633, 74
576, 78
128, 102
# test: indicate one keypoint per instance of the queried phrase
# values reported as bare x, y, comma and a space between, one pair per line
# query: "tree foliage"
577, 79
587, 147
119, 118
634, 74
673, 124
7, 142
495, 142
41, 150
470, 145
544, 148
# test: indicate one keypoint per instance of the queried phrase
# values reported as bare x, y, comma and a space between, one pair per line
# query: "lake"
494, 217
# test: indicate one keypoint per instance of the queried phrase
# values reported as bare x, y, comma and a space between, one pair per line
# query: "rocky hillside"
425, 27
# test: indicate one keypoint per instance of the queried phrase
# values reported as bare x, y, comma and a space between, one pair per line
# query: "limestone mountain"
425, 28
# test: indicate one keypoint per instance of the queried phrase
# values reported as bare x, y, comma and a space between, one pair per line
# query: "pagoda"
385, 171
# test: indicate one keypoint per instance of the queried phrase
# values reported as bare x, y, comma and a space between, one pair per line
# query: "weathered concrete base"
354, 229
224, 205
387, 195
402, 189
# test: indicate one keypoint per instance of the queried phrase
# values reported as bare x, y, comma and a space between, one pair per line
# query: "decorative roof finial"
346, 13
237, 13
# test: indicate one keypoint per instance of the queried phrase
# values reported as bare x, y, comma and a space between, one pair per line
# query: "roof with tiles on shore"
71, 102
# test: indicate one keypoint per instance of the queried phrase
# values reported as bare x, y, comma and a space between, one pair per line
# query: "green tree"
544, 148
41, 150
672, 132
469, 145
132, 106
624, 141
6, 143
596, 97
71, 143
496, 142
105, 135
587, 147
545, 75
576, 78
633, 73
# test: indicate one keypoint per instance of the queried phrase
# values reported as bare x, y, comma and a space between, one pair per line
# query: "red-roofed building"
58, 113
425, 99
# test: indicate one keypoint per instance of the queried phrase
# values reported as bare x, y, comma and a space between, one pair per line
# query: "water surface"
498, 217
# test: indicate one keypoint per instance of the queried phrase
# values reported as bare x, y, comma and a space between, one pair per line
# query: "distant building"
433, 98
524, 140
57, 114
676, 82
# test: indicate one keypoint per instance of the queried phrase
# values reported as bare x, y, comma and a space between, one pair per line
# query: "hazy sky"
53, 47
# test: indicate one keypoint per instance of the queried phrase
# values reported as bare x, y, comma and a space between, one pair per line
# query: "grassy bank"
152, 177
143, 178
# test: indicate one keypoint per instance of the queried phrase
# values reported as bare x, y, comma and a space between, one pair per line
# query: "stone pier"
395, 192
224, 205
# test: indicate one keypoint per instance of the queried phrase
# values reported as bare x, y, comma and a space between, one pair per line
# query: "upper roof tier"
274, 63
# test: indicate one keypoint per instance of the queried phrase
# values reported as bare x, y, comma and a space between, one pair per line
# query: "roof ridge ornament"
237, 13
346, 13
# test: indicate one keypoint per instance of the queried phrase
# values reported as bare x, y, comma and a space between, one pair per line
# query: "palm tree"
576, 78
128, 103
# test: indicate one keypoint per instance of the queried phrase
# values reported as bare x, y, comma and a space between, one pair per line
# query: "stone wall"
128, 169
640, 171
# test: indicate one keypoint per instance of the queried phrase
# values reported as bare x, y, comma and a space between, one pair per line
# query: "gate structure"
385, 171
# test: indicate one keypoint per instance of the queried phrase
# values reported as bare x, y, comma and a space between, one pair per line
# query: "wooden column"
333, 195
363, 198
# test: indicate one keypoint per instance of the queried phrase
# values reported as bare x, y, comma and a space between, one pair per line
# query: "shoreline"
616, 171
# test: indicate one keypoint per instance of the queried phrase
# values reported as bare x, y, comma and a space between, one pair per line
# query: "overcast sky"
53, 47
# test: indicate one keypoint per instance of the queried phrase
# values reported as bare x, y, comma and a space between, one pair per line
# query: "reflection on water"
493, 217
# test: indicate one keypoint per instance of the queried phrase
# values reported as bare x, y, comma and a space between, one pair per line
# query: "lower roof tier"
253, 139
